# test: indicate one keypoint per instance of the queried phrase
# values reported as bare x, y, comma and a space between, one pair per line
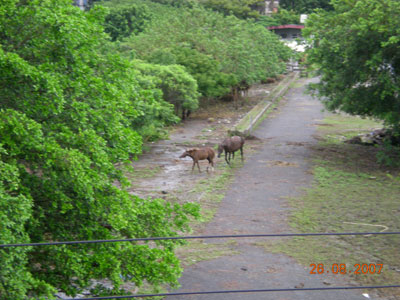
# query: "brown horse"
230, 145
200, 154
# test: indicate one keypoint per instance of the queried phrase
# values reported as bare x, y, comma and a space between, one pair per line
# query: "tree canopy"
305, 6
69, 112
357, 48
220, 52
125, 20
282, 17
75, 108
240, 8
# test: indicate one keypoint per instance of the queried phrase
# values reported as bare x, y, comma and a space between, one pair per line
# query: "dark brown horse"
230, 146
200, 154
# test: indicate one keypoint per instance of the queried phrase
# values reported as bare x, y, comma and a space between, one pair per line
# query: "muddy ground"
160, 172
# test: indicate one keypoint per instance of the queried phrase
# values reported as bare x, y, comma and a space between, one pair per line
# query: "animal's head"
189, 152
220, 150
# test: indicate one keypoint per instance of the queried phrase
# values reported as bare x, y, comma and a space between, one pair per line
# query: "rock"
210, 120
164, 192
327, 282
354, 140
299, 286
243, 268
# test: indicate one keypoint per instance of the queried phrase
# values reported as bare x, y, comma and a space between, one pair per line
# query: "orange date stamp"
344, 269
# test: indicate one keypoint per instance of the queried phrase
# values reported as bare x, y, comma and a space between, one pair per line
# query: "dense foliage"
356, 47
178, 87
222, 53
282, 17
211, 81
123, 21
72, 109
69, 111
305, 6
240, 8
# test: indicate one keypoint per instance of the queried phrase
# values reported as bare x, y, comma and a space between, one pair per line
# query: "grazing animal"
200, 154
230, 145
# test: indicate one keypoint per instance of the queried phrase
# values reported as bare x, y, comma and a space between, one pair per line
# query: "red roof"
291, 26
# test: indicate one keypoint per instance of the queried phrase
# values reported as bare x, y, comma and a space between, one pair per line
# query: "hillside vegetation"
223, 54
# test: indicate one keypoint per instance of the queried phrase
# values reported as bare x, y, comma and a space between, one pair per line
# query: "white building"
82, 4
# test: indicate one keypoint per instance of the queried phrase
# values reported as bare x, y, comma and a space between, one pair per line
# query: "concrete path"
256, 203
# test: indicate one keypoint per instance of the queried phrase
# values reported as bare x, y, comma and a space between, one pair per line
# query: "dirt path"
159, 171
256, 203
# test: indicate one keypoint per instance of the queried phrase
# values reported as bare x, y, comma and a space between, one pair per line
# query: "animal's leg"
198, 166
233, 155
241, 152
210, 162
194, 163
226, 157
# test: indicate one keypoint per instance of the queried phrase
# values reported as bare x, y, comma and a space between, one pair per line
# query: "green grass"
251, 115
197, 251
211, 190
349, 186
338, 127
148, 172
267, 113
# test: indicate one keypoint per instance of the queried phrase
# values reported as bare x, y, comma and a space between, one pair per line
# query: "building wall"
271, 6
82, 4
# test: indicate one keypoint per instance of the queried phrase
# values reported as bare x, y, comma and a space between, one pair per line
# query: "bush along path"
256, 202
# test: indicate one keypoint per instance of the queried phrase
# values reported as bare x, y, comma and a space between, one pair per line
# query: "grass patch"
211, 190
250, 116
337, 128
267, 113
197, 251
349, 187
140, 173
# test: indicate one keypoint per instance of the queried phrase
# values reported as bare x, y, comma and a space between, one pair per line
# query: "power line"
196, 237
241, 291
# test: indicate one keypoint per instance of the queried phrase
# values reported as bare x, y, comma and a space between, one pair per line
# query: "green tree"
212, 83
178, 87
356, 47
125, 20
305, 6
240, 8
69, 112
244, 51
282, 17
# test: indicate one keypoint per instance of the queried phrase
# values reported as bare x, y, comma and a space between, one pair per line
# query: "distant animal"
230, 145
200, 154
